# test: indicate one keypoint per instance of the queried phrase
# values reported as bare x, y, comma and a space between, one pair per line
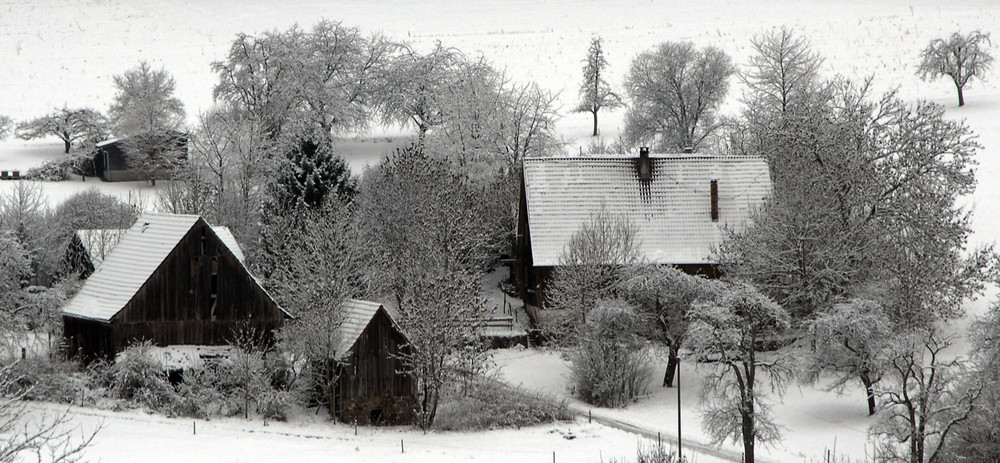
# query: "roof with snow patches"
672, 210
357, 315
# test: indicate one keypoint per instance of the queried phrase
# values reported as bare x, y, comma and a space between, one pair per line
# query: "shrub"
50, 171
654, 453
137, 377
493, 405
47, 379
610, 366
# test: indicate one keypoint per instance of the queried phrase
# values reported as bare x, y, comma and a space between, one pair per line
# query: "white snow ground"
57, 53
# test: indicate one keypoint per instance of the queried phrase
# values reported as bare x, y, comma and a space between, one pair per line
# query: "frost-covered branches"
960, 57
69, 125
731, 329
593, 264
675, 90
922, 399
783, 72
145, 102
609, 364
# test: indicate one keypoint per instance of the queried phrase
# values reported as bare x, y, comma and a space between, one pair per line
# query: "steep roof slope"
672, 211
138, 254
357, 315
99, 242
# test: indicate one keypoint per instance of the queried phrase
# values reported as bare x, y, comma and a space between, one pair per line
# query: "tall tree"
731, 329
415, 88
145, 102
595, 92
70, 125
782, 72
675, 91
960, 57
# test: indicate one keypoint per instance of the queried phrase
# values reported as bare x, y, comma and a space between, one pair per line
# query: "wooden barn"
681, 205
370, 388
111, 159
172, 280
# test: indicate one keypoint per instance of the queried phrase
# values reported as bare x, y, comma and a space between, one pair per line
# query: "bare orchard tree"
850, 340
416, 84
783, 71
69, 125
24, 437
731, 329
960, 57
443, 317
595, 92
675, 91
593, 263
249, 350
922, 399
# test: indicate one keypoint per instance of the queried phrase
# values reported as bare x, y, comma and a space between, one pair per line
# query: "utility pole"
680, 454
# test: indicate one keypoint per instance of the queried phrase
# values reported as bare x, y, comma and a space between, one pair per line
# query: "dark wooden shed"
171, 280
371, 388
111, 159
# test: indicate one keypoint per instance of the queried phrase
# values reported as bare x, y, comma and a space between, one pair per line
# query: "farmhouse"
113, 163
370, 388
171, 279
681, 205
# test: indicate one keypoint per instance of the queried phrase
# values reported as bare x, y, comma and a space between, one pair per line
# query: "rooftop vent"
645, 166
688, 149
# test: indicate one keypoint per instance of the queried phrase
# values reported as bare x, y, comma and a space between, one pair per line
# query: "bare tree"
6, 126
675, 90
592, 264
922, 401
960, 57
145, 102
732, 329
69, 125
783, 71
851, 340
595, 92
415, 88
250, 347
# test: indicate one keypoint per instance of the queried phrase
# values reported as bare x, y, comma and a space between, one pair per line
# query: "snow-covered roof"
672, 211
107, 142
98, 242
139, 252
229, 240
357, 315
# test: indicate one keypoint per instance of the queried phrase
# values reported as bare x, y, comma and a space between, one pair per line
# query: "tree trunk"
595, 123
748, 438
66, 146
672, 364
961, 97
870, 391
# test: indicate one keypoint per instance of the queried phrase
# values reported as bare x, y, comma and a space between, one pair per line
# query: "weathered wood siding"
200, 294
370, 389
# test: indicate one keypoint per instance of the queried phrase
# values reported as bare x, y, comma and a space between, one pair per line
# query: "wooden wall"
370, 384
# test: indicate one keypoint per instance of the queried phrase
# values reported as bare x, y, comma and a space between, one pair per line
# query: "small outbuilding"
371, 387
112, 162
170, 279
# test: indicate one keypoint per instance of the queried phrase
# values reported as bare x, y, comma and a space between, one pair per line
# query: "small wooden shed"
172, 280
371, 388
111, 159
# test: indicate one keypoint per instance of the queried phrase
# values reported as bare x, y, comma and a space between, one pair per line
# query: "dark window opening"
203, 240
376, 416
715, 200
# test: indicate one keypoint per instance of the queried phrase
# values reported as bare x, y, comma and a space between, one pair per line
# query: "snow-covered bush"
45, 378
137, 377
49, 171
653, 453
492, 405
610, 365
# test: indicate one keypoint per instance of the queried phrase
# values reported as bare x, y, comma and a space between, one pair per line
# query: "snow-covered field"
58, 53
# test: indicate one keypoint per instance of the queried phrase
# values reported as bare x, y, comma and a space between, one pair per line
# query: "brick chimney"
714, 192
645, 165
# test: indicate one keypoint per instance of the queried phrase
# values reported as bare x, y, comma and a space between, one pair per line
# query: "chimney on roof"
645, 166
714, 192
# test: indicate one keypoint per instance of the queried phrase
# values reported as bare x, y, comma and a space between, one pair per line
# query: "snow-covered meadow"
58, 53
